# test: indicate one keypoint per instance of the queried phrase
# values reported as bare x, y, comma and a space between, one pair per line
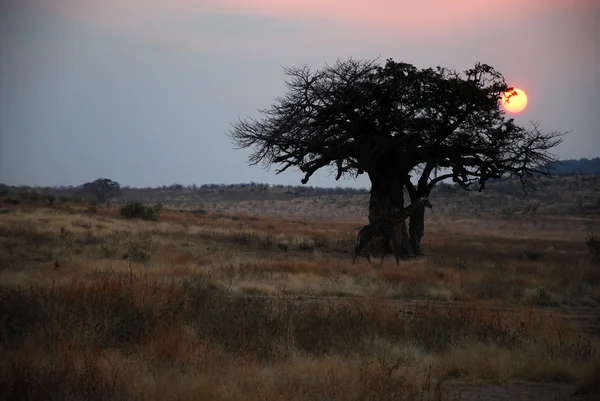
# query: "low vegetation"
593, 244
137, 210
222, 306
561, 196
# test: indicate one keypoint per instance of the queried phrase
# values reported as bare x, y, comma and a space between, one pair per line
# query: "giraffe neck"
406, 212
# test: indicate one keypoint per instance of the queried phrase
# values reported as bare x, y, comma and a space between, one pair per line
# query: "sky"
144, 91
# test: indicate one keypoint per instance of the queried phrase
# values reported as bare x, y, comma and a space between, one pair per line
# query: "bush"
11, 200
20, 313
531, 255
593, 244
137, 210
32, 197
138, 251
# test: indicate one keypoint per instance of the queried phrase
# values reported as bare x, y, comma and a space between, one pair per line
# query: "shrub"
531, 255
593, 244
11, 200
33, 197
138, 251
137, 210
20, 313
109, 319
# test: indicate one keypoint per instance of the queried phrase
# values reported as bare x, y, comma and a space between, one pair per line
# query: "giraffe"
383, 229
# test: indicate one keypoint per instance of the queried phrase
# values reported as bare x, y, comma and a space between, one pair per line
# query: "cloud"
167, 21
419, 17
81, 75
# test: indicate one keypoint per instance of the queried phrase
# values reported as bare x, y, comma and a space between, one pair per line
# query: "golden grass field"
238, 307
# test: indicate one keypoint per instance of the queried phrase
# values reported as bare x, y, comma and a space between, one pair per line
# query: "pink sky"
409, 17
82, 75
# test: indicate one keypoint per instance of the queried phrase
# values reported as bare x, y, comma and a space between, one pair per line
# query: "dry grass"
205, 306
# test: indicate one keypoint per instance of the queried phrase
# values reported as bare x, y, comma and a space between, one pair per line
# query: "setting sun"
514, 101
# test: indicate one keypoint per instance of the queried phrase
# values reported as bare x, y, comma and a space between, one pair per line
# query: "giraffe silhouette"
383, 229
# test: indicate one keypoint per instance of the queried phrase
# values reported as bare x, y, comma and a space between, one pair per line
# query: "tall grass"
200, 308
70, 340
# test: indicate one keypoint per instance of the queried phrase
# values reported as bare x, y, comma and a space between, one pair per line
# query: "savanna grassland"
214, 306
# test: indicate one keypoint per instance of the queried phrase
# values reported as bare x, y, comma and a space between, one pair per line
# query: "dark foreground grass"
128, 337
117, 309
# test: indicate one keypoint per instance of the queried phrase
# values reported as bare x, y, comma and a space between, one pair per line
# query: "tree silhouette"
102, 189
392, 121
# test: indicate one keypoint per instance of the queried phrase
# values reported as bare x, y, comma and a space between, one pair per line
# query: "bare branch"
356, 116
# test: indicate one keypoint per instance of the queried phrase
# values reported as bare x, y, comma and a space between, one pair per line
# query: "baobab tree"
392, 122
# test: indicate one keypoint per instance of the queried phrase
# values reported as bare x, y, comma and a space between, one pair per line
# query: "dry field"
202, 306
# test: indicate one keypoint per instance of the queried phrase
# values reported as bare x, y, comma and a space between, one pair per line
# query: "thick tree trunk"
387, 195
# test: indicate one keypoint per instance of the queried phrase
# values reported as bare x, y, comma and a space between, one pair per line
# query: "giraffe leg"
367, 255
364, 238
358, 248
384, 242
395, 251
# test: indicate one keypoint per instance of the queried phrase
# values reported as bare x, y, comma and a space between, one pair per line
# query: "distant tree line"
102, 189
567, 194
296, 189
574, 167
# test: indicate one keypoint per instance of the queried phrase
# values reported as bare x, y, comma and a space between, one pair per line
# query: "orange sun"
514, 101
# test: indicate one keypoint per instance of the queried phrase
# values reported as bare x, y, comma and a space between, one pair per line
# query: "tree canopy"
358, 116
102, 189
391, 120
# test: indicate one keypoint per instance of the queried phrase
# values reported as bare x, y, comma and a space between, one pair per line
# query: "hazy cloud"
142, 91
